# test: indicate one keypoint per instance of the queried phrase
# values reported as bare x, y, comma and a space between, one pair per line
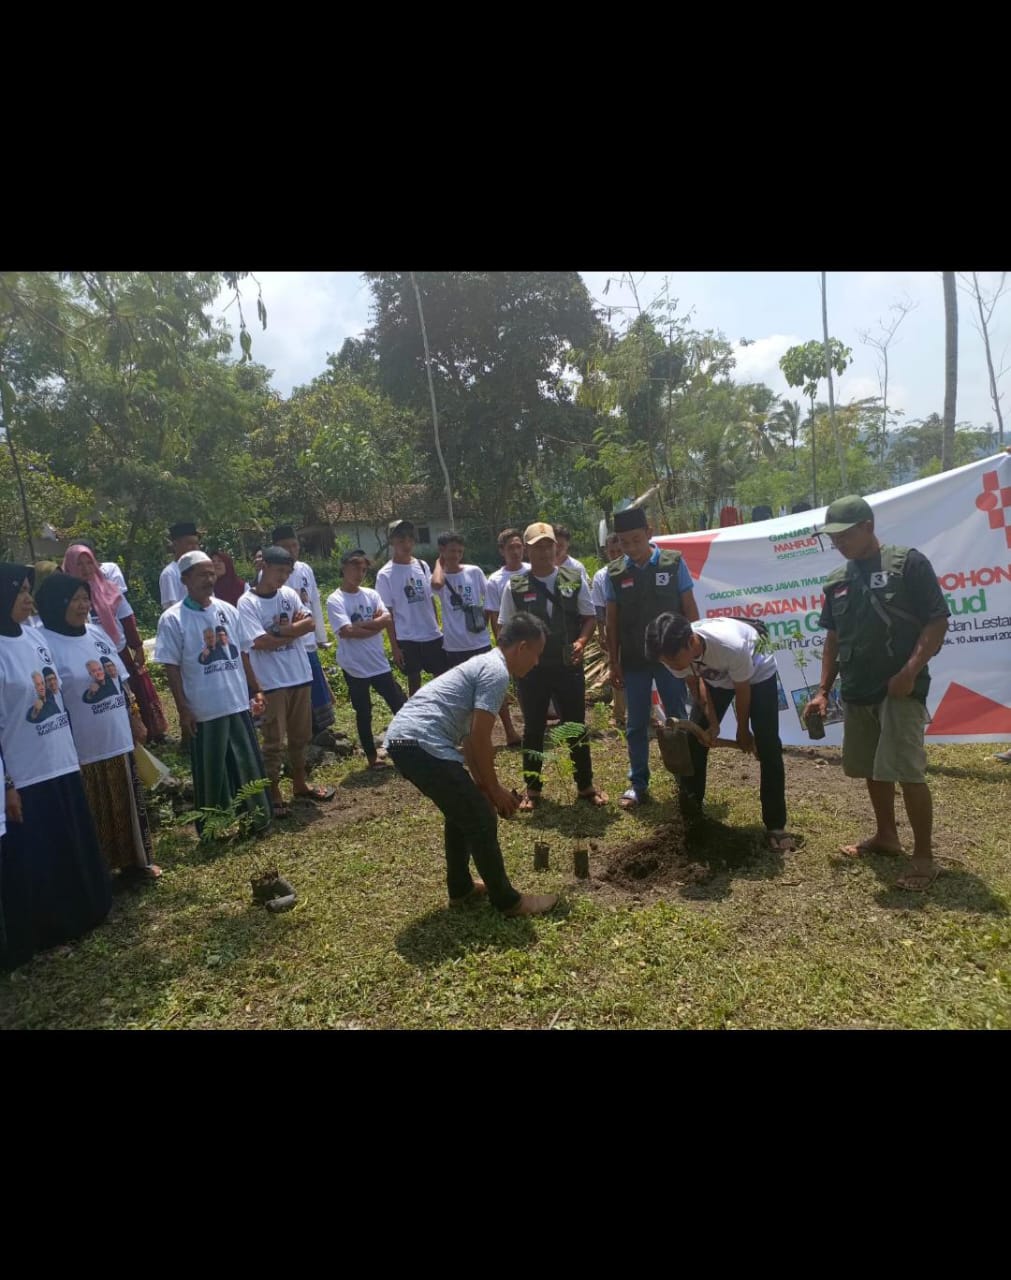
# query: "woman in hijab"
103, 734
53, 881
110, 611
229, 586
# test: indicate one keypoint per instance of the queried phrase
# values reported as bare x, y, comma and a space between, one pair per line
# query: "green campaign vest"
876, 627
642, 595
530, 596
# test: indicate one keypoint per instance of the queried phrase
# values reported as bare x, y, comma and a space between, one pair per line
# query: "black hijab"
12, 578
54, 595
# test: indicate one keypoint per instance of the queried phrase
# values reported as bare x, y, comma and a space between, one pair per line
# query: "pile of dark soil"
680, 852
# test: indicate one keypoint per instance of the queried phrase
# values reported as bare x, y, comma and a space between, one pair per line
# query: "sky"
309, 314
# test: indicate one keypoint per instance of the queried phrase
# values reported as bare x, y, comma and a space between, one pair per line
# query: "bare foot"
533, 904
593, 796
873, 844
529, 802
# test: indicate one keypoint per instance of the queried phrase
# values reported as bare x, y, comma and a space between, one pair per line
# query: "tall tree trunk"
814, 462
950, 370
435, 412
884, 411
5, 423
131, 538
840, 451
984, 327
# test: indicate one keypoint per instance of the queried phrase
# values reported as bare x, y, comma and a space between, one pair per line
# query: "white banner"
775, 570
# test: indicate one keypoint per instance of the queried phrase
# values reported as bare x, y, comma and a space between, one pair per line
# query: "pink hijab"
105, 595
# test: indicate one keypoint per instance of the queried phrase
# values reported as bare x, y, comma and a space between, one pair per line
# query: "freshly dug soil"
679, 852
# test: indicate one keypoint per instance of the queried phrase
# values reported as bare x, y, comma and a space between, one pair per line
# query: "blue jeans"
639, 705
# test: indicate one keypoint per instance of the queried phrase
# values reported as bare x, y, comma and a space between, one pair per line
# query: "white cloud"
759, 361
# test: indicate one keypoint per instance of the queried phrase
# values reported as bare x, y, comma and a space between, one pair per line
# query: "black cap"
283, 532
277, 555
632, 518
182, 529
354, 554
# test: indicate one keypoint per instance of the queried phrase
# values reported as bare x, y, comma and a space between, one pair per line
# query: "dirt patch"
679, 853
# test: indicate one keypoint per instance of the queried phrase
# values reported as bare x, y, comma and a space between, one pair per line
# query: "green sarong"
224, 756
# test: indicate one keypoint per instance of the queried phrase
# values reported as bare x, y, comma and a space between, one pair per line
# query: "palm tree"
787, 424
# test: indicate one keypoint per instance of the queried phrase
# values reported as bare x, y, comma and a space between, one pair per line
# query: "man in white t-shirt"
463, 594
358, 620
204, 644
183, 537
563, 540
303, 581
282, 669
598, 597
510, 548
404, 586
723, 661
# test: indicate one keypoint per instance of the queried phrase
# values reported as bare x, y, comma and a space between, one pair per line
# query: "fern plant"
237, 819
559, 738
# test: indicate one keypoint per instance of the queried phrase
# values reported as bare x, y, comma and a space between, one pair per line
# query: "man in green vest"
642, 584
885, 616
559, 597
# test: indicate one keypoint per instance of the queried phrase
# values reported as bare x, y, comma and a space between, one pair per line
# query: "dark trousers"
471, 822
567, 686
358, 690
765, 726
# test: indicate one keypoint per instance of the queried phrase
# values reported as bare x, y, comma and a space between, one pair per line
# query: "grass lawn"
735, 937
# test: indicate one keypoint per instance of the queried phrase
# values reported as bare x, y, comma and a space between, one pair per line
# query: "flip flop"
595, 798
315, 793
282, 810
781, 842
528, 804
929, 876
864, 847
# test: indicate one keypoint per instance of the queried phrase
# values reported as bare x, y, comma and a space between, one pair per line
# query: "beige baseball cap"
538, 532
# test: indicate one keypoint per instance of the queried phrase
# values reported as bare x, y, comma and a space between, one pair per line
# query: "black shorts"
423, 655
455, 657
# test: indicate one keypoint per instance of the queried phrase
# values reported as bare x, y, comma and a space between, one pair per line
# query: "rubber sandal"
315, 793
629, 800
595, 798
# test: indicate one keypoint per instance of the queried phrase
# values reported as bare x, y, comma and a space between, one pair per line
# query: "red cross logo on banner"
994, 501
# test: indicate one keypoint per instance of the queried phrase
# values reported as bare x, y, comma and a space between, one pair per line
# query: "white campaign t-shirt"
276, 668
507, 608
471, 589
597, 596
92, 678
214, 681
123, 610
35, 732
364, 657
406, 591
496, 581
170, 585
111, 570
730, 656
302, 580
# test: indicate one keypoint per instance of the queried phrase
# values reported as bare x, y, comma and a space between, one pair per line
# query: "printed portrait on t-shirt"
207, 652
223, 648
112, 675
100, 686
414, 589
46, 684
